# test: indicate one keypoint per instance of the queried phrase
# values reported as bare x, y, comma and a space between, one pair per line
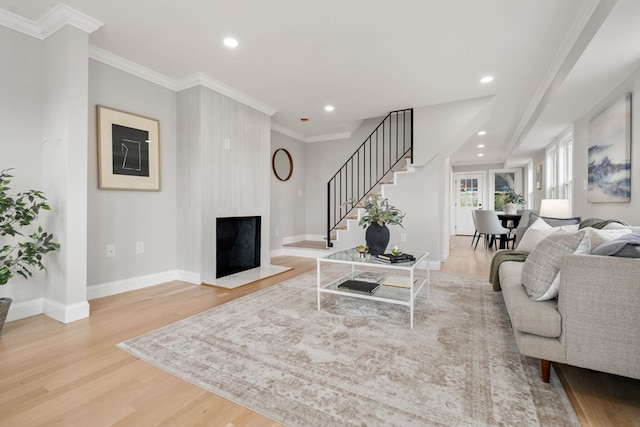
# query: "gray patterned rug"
357, 363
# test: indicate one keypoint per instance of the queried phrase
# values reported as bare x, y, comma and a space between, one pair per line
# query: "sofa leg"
545, 368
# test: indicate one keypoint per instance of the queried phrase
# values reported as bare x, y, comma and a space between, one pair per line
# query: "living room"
50, 90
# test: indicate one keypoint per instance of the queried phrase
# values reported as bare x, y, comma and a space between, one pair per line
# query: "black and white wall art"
128, 151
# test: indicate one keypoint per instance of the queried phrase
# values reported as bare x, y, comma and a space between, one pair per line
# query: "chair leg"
474, 237
477, 241
545, 370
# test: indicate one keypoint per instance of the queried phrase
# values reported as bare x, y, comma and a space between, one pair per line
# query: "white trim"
132, 68
50, 22
130, 284
20, 310
329, 137
211, 83
288, 132
189, 277
308, 139
66, 313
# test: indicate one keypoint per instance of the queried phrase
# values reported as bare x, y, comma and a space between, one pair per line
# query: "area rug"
357, 362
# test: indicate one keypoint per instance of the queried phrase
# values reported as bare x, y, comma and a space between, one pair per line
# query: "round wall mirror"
282, 164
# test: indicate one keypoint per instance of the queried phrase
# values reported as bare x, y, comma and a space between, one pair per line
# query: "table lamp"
555, 208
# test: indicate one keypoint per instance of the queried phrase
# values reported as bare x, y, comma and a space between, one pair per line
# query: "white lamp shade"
555, 208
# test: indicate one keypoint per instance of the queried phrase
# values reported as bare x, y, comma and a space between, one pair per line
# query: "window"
559, 173
566, 169
552, 172
500, 182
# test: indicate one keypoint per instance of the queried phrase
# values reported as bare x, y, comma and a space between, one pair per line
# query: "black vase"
377, 237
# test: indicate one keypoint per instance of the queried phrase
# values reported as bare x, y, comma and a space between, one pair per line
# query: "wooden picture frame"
128, 151
539, 177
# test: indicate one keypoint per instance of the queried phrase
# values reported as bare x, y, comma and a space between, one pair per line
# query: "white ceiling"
367, 58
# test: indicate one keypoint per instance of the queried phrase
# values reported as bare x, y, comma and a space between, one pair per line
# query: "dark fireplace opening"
238, 244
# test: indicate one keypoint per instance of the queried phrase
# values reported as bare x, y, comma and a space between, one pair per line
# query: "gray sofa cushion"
530, 317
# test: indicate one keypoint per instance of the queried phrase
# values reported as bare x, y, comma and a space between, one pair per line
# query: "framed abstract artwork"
609, 169
128, 151
539, 177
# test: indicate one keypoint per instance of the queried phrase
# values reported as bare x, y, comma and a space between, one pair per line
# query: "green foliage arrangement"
380, 211
512, 197
16, 212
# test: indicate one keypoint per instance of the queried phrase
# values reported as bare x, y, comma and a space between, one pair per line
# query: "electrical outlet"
227, 143
111, 251
403, 237
140, 247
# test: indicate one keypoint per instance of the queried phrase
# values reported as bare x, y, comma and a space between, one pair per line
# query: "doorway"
469, 196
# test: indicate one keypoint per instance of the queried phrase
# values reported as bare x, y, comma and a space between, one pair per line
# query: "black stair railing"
387, 145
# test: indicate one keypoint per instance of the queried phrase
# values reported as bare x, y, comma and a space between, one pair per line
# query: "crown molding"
201, 79
50, 22
329, 137
288, 132
127, 66
308, 139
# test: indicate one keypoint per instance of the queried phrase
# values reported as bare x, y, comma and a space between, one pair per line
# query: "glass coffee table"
402, 284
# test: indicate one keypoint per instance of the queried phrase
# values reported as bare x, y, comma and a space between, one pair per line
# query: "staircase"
386, 151
378, 162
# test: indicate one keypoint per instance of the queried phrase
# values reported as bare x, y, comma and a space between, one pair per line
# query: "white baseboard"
66, 313
189, 277
58, 311
20, 310
131, 284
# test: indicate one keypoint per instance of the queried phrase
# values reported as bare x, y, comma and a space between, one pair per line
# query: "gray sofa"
594, 323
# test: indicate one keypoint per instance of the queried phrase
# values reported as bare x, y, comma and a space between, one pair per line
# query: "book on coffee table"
370, 277
399, 282
390, 258
359, 286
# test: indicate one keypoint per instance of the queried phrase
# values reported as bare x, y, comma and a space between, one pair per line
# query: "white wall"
123, 218
629, 212
322, 161
288, 197
21, 134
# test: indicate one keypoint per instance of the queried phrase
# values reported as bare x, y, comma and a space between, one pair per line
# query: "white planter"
511, 209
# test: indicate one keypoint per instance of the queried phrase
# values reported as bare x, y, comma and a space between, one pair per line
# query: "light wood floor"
74, 375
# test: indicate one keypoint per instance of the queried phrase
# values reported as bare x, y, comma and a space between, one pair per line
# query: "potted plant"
378, 214
512, 201
24, 252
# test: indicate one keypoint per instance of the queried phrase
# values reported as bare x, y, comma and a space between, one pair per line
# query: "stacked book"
392, 259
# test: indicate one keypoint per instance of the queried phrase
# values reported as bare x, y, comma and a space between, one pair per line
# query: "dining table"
508, 221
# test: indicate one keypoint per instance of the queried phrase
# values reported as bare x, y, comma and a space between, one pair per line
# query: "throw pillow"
541, 270
599, 236
538, 231
554, 222
627, 246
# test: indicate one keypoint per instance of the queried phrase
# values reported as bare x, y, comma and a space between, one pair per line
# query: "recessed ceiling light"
480, 145
486, 79
230, 42
328, 108
480, 155
481, 133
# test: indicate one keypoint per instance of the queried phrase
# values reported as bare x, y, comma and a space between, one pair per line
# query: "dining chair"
475, 226
488, 225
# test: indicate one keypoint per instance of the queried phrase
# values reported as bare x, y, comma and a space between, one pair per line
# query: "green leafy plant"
380, 211
18, 211
512, 197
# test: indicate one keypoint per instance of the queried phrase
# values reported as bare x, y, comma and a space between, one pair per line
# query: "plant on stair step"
378, 214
